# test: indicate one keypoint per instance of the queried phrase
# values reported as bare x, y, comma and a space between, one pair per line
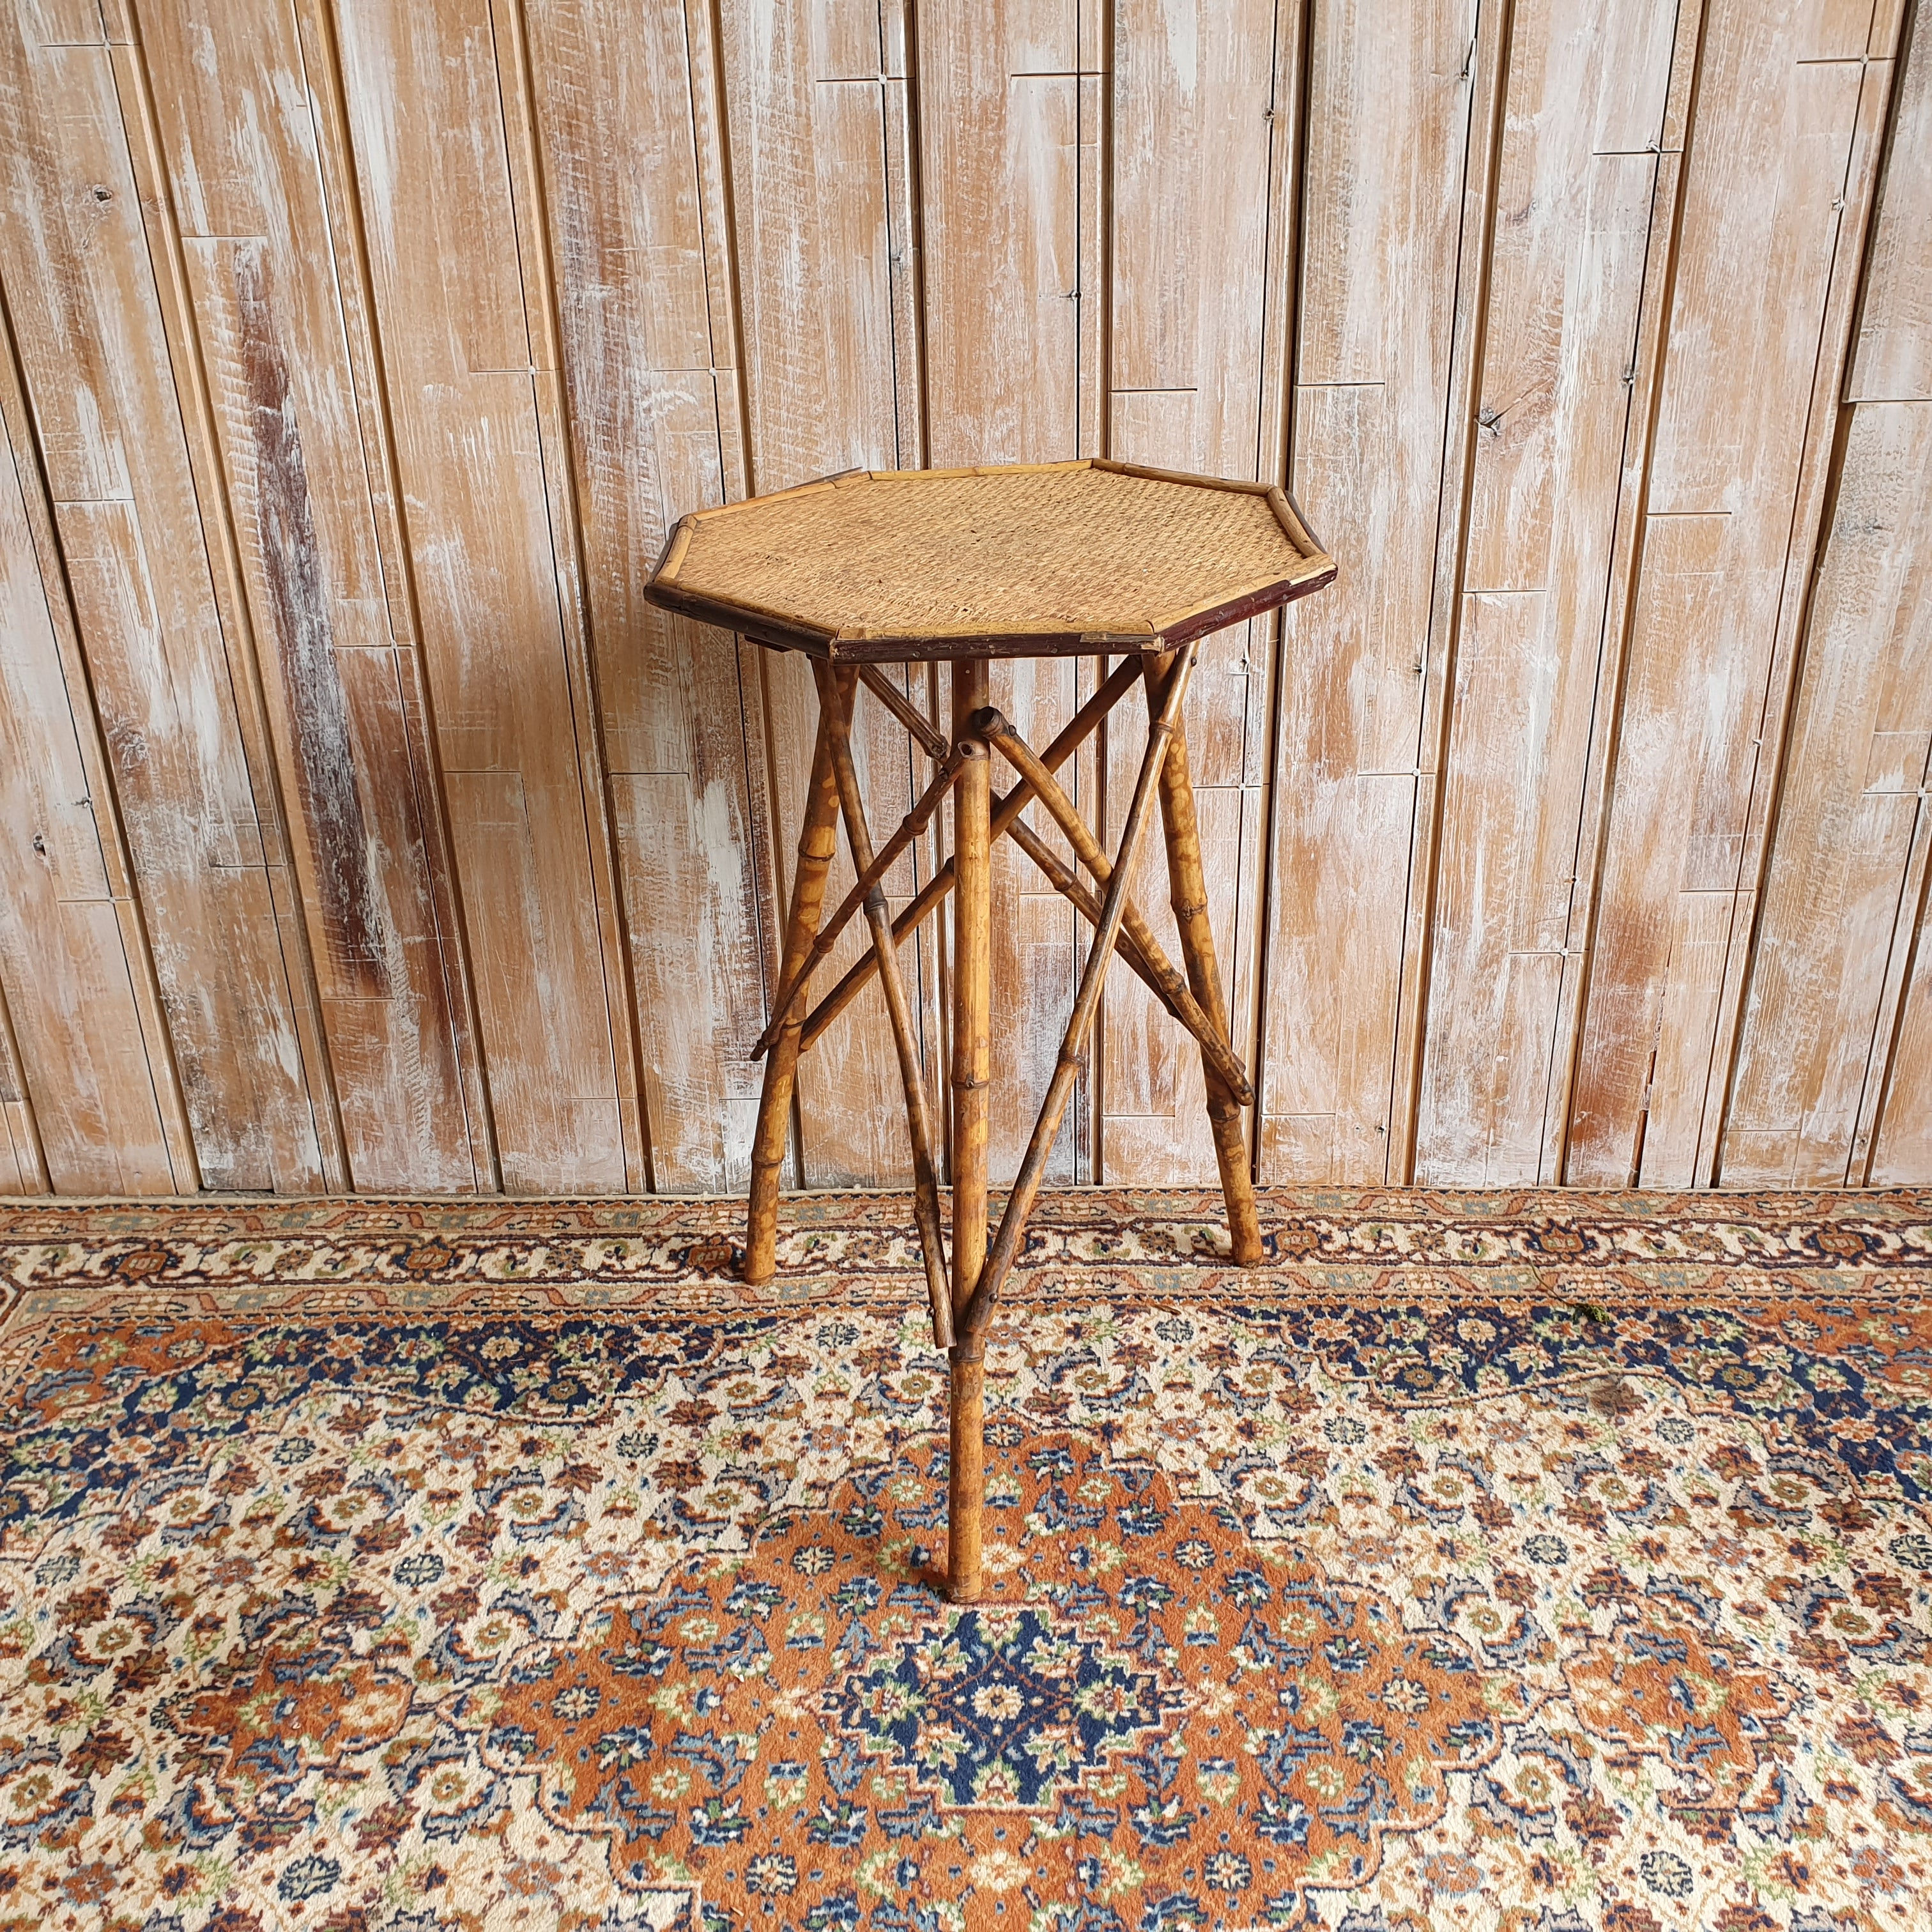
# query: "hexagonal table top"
1024, 560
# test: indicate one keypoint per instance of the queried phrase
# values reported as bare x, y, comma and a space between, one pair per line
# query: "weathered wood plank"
54, 23
536, 260
426, 116
1893, 355
166, 258
78, 276
645, 342
1193, 196
1484, 63
1389, 93
808, 99
23, 1167
1816, 466
1845, 873
1829, 941
1778, 107
79, 1100
1902, 1147
241, 146
1586, 90
999, 116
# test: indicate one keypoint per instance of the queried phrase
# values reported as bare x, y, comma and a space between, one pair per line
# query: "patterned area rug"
1531, 1561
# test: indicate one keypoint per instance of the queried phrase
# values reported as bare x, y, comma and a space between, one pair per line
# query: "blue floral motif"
1012, 1707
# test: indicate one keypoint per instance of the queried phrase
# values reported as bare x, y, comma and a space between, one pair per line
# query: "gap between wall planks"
360, 825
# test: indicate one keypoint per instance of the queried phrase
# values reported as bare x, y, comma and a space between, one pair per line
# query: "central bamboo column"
972, 1073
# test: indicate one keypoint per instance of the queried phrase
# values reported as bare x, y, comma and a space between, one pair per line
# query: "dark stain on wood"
304, 639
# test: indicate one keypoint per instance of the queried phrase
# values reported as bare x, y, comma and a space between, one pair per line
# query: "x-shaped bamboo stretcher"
1117, 922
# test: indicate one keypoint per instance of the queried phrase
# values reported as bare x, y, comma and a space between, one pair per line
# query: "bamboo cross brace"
971, 1322
914, 823
1156, 973
1046, 788
932, 741
1006, 811
835, 692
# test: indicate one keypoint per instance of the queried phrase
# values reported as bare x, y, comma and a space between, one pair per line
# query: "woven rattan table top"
1022, 560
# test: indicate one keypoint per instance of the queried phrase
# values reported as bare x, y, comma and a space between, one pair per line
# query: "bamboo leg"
1188, 886
835, 697
816, 841
972, 1071
966, 1489
972, 1322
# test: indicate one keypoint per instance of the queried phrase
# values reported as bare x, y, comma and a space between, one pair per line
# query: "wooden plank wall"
362, 827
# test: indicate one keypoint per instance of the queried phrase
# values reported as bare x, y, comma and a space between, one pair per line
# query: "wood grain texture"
365, 827
425, 109
1195, 94
1776, 113
1902, 1142
1389, 106
1893, 355
1835, 945
241, 146
649, 357
1003, 218
73, 1035
819, 160
1575, 194
81, 287
1831, 943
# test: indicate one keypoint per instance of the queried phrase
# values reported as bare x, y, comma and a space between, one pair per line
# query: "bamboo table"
1094, 558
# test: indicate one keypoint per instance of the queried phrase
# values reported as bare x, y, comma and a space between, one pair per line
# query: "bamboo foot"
966, 1485
816, 841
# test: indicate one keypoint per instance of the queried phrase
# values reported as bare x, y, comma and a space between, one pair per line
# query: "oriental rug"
1530, 1561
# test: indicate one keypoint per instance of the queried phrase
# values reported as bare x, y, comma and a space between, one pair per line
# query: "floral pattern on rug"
443, 1605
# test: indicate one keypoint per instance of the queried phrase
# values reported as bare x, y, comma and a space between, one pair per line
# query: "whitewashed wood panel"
1195, 94
1000, 107
1776, 116
1584, 103
426, 117
1894, 356
1902, 1143
74, 1039
1389, 106
364, 355
649, 359
241, 146
86, 313
829, 385
1828, 1047
1847, 858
